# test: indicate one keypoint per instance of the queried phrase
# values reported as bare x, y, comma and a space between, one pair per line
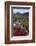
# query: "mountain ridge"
27, 13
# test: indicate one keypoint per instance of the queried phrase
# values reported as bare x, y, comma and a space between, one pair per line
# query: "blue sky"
20, 10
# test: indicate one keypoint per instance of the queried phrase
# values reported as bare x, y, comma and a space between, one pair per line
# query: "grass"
23, 20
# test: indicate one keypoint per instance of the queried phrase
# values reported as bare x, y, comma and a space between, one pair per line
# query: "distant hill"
22, 14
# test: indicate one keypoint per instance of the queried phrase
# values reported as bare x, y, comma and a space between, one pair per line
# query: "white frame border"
29, 37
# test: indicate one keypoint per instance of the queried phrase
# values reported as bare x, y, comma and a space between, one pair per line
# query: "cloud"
20, 10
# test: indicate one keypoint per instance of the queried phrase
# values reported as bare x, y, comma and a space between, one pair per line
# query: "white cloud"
20, 10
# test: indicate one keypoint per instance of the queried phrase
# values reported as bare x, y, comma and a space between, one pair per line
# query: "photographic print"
19, 22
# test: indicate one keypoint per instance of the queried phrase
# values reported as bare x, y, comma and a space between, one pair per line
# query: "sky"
20, 10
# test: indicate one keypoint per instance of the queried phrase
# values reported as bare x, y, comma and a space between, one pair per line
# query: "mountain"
22, 14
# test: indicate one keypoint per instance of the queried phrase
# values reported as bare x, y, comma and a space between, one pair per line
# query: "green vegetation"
23, 20
25, 23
